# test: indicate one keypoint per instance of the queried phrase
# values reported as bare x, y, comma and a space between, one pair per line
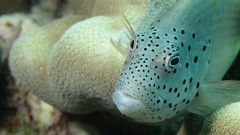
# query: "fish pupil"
174, 61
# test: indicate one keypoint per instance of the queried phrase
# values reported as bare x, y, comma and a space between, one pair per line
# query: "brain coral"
28, 56
83, 67
225, 121
73, 63
62, 71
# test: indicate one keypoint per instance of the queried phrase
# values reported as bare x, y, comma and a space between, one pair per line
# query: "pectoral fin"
213, 96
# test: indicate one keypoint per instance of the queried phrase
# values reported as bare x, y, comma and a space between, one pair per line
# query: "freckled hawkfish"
175, 63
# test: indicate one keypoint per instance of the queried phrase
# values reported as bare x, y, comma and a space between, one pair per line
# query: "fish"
175, 64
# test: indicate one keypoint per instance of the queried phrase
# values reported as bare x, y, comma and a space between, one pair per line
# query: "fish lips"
127, 104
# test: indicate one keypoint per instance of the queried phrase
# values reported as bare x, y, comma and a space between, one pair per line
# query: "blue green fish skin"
193, 43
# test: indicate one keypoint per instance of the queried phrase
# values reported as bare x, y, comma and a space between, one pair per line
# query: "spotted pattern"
164, 69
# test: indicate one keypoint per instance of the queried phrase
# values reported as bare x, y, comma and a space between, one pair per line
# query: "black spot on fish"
175, 90
190, 80
204, 48
185, 90
187, 65
165, 101
197, 94
132, 44
198, 84
182, 31
182, 44
195, 59
193, 35
184, 81
175, 71
170, 90
164, 86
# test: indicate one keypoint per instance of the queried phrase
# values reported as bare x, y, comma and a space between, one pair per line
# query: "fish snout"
126, 103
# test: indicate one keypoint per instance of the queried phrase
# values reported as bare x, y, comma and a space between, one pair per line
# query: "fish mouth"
132, 107
126, 103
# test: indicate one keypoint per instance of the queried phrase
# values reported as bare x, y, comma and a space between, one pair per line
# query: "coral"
74, 66
58, 69
44, 12
10, 28
225, 121
72, 63
79, 7
43, 62
97, 61
132, 9
29, 55
30, 115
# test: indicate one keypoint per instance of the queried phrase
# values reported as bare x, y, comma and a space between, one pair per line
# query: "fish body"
170, 59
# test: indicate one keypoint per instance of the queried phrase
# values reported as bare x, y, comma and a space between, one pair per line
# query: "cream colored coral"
79, 7
75, 72
72, 72
132, 9
225, 121
74, 66
10, 27
44, 12
83, 67
29, 55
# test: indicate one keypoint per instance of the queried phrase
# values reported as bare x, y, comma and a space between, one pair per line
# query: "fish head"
161, 74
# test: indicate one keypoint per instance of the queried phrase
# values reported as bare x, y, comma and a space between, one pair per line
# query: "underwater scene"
119, 67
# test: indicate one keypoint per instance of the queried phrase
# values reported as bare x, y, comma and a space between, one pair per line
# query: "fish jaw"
126, 103
130, 107
133, 107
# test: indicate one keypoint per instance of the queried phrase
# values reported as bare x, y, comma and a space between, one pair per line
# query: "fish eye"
132, 44
171, 62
